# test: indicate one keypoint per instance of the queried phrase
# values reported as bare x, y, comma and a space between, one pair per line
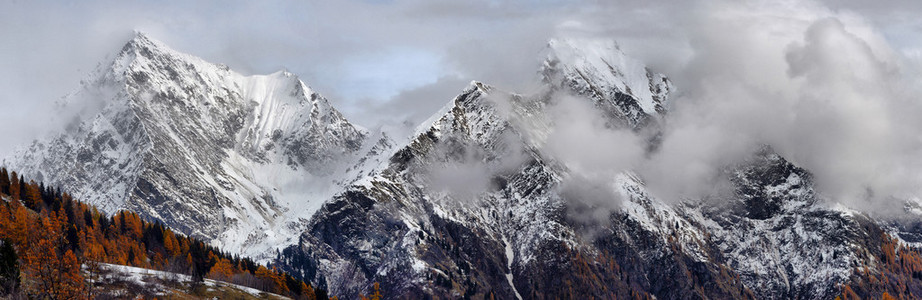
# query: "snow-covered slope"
470, 206
235, 159
621, 86
118, 281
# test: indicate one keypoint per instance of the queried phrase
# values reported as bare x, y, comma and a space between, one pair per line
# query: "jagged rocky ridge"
231, 158
519, 236
260, 162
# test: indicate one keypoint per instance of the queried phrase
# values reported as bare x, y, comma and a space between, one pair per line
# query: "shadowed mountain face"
472, 205
525, 233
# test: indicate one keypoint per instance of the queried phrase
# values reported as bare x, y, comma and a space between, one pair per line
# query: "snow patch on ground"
139, 276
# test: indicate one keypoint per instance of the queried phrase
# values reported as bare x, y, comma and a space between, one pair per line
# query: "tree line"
898, 273
51, 246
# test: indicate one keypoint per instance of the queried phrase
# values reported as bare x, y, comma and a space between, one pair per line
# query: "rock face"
197, 146
472, 205
622, 87
516, 231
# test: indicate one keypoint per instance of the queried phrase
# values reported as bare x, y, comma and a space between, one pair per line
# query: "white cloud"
833, 85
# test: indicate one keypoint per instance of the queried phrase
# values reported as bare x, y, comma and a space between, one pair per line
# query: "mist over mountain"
218, 155
714, 149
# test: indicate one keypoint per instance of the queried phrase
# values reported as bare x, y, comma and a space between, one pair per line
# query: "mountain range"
474, 204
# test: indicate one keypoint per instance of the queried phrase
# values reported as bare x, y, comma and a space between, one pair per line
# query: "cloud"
594, 154
408, 109
822, 87
358, 53
580, 139
832, 85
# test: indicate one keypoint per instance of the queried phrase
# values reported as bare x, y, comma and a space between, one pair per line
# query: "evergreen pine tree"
41, 192
9, 268
4, 181
88, 218
23, 186
31, 195
14, 186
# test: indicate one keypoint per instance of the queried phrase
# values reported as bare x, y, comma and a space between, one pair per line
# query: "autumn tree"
170, 244
307, 292
262, 274
49, 271
278, 282
54, 236
19, 223
70, 277
131, 225
31, 197
222, 270
94, 254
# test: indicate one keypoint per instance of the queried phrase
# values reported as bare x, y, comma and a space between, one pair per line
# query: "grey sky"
357, 53
352, 51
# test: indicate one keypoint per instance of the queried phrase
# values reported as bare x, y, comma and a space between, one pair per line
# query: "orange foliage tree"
49, 270
54, 235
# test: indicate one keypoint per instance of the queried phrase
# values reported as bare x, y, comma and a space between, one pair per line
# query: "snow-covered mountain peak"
209, 151
142, 41
573, 49
624, 87
144, 54
481, 111
471, 205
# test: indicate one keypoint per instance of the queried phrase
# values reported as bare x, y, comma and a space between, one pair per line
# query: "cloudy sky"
810, 77
361, 54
